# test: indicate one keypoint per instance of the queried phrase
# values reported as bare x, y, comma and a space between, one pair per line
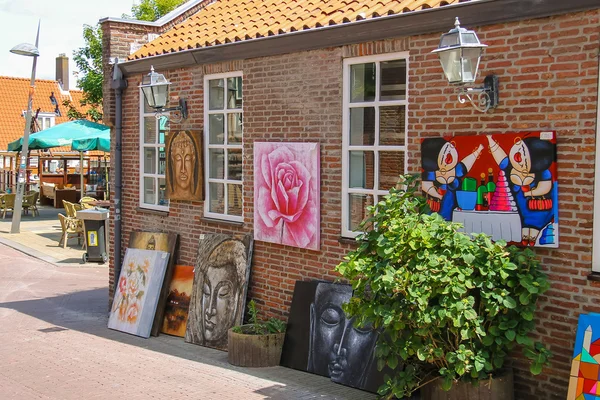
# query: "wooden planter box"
254, 350
498, 388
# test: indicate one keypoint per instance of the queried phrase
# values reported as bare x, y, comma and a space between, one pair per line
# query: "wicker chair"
71, 208
30, 203
71, 226
85, 202
8, 204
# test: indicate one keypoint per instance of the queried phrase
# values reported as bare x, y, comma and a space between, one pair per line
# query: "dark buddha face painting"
184, 166
218, 298
321, 339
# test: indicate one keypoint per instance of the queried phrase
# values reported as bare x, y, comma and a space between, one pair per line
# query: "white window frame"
376, 148
225, 146
157, 146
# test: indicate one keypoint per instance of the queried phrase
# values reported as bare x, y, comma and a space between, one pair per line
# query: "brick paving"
54, 344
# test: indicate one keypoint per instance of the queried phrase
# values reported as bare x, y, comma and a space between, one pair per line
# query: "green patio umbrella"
61, 135
101, 142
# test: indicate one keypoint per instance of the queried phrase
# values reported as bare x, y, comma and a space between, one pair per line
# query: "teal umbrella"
101, 143
61, 135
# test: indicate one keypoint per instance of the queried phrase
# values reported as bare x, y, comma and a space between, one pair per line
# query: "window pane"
215, 94
162, 157
362, 167
215, 129
358, 204
362, 126
391, 166
150, 129
149, 191
392, 127
147, 108
216, 198
393, 80
362, 82
234, 164
216, 163
149, 160
234, 92
162, 192
234, 128
163, 126
234, 201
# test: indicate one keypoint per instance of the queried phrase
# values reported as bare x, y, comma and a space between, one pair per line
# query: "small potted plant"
451, 306
257, 344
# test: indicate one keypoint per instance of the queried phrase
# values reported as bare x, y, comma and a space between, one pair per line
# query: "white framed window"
375, 101
152, 158
223, 133
44, 120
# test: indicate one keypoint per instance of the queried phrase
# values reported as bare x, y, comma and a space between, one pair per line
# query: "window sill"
594, 276
221, 221
151, 211
347, 240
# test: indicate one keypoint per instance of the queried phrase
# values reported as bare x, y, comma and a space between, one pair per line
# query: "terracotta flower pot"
500, 387
246, 350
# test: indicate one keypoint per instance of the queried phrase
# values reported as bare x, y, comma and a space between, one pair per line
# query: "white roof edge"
159, 22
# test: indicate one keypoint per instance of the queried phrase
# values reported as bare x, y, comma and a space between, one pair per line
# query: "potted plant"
257, 344
451, 306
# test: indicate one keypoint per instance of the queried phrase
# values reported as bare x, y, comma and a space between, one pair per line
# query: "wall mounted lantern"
460, 52
156, 92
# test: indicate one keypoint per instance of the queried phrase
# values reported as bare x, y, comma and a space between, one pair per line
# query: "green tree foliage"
151, 10
451, 306
89, 62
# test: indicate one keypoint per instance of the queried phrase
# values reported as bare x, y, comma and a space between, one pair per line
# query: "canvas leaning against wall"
160, 241
585, 368
136, 298
178, 301
504, 185
287, 194
221, 276
322, 340
184, 166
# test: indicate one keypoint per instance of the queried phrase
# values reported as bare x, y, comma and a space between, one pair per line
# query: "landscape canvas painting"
184, 167
178, 301
584, 381
160, 241
503, 185
321, 339
136, 298
287, 194
221, 276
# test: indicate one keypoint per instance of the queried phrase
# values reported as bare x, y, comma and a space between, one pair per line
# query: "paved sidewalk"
54, 344
39, 238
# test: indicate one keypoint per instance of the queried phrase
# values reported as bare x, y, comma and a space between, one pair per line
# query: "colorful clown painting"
503, 185
584, 381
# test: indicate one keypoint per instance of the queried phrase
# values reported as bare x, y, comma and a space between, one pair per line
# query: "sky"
60, 31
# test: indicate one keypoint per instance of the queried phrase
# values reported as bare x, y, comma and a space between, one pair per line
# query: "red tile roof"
14, 94
226, 21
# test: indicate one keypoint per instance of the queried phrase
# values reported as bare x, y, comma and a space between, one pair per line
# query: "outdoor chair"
8, 204
71, 208
70, 227
85, 202
29, 203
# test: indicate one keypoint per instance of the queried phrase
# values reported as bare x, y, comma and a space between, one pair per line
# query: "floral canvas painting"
287, 193
136, 298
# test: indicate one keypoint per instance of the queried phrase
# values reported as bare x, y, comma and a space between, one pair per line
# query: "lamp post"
24, 49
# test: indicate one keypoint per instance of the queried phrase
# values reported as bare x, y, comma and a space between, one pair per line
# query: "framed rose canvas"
136, 298
287, 194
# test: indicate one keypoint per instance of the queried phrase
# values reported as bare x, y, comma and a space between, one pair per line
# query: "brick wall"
548, 71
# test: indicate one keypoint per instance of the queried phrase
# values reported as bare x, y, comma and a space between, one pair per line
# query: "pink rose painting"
286, 194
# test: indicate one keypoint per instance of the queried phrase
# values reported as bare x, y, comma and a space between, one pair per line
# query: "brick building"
293, 58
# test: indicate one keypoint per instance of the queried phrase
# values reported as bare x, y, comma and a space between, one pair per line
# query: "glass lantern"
156, 89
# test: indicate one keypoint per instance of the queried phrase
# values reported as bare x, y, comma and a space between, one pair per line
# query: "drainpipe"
118, 83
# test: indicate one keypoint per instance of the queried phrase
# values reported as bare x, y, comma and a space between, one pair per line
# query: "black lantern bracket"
181, 109
482, 98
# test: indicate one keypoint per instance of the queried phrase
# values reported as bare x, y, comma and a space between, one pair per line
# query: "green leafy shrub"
256, 327
451, 306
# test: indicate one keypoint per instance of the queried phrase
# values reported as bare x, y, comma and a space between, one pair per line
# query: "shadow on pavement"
87, 312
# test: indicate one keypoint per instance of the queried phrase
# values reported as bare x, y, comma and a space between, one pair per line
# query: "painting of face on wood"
221, 277
287, 194
321, 339
160, 241
503, 185
139, 285
184, 166
178, 301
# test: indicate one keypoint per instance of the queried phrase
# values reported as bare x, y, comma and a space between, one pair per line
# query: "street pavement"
54, 344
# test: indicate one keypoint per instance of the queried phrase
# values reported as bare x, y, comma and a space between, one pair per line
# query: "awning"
62, 135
